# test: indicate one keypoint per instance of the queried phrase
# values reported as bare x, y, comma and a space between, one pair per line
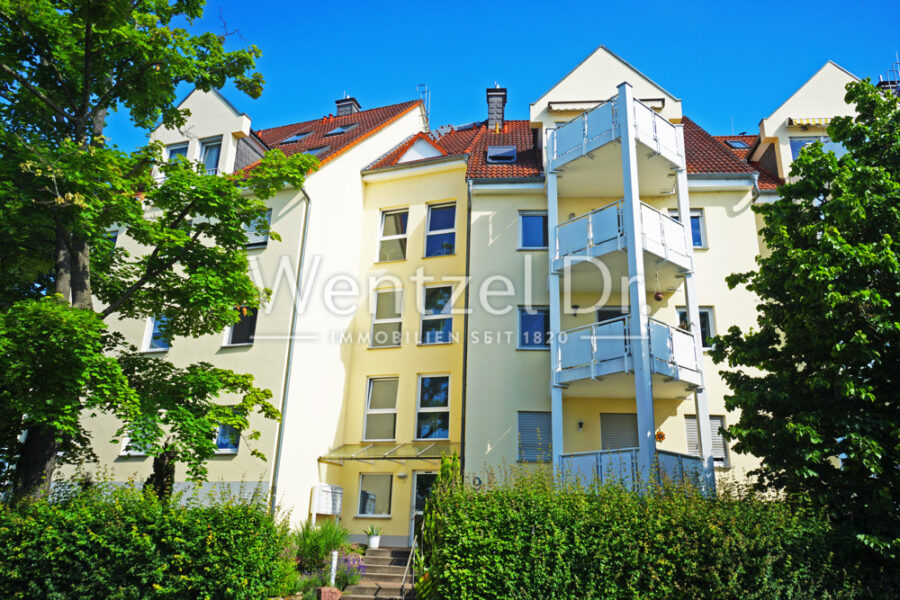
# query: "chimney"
496, 100
347, 106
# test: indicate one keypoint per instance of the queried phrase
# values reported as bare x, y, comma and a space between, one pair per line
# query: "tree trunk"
162, 480
63, 273
81, 273
34, 469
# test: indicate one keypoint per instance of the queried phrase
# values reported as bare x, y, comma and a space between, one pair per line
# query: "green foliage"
315, 543
816, 380
123, 544
349, 571
373, 530
534, 537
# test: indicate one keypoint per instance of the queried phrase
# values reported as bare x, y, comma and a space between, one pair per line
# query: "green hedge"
124, 544
531, 537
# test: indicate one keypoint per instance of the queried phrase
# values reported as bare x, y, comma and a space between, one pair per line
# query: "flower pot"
374, 542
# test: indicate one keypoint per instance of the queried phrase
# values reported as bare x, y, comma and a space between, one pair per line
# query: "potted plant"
374, 533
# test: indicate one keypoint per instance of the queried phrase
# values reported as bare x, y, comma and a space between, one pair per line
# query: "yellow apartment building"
536, 292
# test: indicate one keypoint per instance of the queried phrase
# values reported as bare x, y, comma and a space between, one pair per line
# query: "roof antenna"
425, 97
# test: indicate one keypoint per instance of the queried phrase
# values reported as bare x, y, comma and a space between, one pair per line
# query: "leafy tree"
64, 65
817, 381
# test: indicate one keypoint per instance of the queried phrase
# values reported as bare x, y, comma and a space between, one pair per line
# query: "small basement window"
342, 129
501, 154
295, 138
738, 144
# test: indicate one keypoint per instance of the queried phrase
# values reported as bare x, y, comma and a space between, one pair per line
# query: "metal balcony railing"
621, 466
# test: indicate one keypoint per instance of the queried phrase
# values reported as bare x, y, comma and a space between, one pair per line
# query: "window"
433, 410
375, 494
534, 327
698, 226
533, 230
707, 324
610, 312
386, 322
227, 439
440, 237
392, 244
294, 138
258, 231
737, 144
157, 340
242, 332
381, 409
128, 449
341, 129
535, 436
209, 155
319, 150
719, 447
618, 430
501, 154
176, 150
437, 324
798, 143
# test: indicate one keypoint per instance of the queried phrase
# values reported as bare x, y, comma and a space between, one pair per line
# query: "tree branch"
37, 93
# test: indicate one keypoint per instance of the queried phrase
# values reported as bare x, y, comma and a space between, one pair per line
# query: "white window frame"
719, 463
377, 321
227, 451
444, 315
429, 232
386, 515
379, 411
431, 409
170, 147
535, 308
531, 213
132, 453
148, 335
226, 338
695, 212
385, 238
249, 231
709, 310
206, 143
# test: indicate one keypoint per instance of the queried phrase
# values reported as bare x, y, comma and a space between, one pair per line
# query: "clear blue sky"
726, 60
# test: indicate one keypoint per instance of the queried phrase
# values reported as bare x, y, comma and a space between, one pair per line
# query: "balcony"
600, 234
596, 361
581, 150
621, 466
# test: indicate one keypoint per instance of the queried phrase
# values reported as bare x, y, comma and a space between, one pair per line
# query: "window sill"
131, 455
701, 248
439, 255
532, 349
434, 343
256, 247
387, 262
155, 350
535, 249
240, 345
383, 347
446, 439
226, 452
372, 517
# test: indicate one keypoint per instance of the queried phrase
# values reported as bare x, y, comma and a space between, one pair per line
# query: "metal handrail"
590, 239
593, 337
406, 571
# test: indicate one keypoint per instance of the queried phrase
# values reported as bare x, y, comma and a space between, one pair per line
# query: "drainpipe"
290, 355
465, 368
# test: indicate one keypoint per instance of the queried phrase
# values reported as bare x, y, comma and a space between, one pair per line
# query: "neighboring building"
595, 238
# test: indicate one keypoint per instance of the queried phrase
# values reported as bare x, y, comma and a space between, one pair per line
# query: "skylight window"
295, 138
342, 129
501, 154
318, 151
738, 144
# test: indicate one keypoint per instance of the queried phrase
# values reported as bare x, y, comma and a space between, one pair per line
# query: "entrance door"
421, 489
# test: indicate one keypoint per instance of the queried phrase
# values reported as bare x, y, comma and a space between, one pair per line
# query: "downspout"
290, 355
755, 187
465, 368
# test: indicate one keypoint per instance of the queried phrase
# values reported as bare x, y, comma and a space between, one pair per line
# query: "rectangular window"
698, 226
375, 494
433, 408
610, 312
437, 324
128, 449
707, 324
440, 236
386, 319
535, 436
176, 150
227, 439
157, 340
242, 332
258, 231
381, 409
533, 230
618, 430
798, 143
209, 155
719, 447
534, 327
392, 244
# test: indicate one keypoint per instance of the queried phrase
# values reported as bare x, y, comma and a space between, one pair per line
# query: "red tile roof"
767, 180
367, 123
742, 153
473, 141
705, 154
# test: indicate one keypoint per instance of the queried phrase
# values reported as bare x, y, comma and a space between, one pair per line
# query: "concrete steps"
383, 576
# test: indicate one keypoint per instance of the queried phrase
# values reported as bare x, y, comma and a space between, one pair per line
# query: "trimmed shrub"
530, 536
123, 544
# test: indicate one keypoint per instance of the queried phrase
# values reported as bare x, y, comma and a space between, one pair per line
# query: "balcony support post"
701, 403
637, 287
556, 403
